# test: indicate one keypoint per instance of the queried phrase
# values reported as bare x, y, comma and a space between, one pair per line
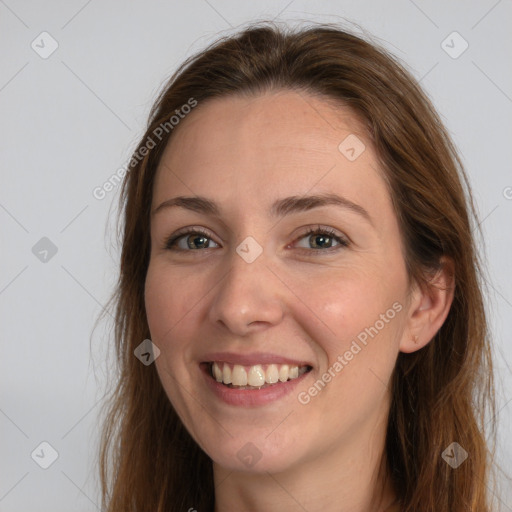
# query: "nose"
249, 298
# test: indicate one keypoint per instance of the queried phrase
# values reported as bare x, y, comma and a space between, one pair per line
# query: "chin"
249, 455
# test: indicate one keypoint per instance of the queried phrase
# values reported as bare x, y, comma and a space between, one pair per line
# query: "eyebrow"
280, 208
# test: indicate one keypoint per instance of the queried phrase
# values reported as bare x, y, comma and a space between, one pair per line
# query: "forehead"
259, 148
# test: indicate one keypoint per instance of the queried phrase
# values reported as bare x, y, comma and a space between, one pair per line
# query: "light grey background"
70, 120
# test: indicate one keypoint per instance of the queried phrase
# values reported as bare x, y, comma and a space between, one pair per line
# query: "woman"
298, 248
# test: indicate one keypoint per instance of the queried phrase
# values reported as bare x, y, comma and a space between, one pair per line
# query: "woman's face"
253, 290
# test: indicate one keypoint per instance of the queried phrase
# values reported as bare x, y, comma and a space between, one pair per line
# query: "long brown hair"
440, 394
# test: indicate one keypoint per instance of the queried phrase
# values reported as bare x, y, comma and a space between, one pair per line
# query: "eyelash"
319, 230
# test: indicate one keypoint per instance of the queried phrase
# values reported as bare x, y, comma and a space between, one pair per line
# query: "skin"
292, 300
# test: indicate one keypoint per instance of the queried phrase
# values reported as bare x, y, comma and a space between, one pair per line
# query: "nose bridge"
249, 293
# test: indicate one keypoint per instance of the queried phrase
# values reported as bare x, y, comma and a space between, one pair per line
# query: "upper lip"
252, 359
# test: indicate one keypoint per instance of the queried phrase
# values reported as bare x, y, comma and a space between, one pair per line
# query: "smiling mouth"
258, 376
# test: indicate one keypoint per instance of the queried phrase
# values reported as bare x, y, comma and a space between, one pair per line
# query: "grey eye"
193, 241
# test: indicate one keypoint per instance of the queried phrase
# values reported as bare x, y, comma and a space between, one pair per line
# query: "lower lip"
250, 397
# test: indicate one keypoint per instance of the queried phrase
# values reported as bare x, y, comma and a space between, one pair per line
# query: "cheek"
353, 311
170, 300
354, 323
171, 311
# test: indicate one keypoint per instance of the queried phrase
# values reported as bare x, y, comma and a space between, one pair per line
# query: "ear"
429, 307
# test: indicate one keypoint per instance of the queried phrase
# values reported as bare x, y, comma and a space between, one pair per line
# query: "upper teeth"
256, 375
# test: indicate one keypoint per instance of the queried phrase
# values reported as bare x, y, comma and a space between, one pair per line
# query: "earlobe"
429, 308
